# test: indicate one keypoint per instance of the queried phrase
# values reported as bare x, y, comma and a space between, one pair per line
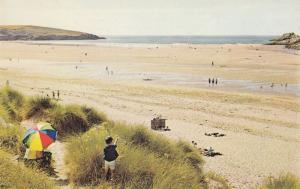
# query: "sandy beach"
255, 103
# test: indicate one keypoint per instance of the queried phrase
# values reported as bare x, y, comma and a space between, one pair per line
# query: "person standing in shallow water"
58, 94
107, 70
209, 81
213, 81
110, 156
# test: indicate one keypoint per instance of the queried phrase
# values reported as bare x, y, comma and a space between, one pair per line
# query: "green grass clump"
74, 119
13, 175
147, 160
93, 116
39, 107
141, 168
11, 138
284, 181
216, 181
161, 146
69, 120
4, 117
84, 157
66, 119
12, 102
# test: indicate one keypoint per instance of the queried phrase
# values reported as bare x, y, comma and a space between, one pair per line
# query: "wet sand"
261, 124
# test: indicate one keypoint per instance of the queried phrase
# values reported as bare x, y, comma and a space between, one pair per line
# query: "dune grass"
93, 116
147, 160
284, 181
66, 119
4, 117
216, 181
74, 119
39, 107
13, 175
12, 102
161, 146
11, 137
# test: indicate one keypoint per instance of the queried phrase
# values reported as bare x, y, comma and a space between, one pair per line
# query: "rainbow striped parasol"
40, 136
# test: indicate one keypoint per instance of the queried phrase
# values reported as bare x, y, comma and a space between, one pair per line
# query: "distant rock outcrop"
290, 40
24, 32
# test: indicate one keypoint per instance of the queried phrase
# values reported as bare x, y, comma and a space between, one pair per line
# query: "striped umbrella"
40, 136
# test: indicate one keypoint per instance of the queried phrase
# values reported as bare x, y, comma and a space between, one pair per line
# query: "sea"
189, 39
194, 39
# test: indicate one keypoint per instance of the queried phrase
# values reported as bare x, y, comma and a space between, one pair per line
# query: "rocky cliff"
24, 32
290, 40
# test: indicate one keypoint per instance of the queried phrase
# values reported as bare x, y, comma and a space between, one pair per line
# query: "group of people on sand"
55, 94
111, 72
213, 81
273, 85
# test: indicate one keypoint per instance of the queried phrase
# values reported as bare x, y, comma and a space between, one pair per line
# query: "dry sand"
261, 124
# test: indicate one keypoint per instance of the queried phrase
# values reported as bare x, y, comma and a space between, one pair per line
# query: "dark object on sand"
147, 79
210, 152
158, 123
215, 134
194, 143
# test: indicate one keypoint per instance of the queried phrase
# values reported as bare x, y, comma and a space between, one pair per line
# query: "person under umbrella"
37, 139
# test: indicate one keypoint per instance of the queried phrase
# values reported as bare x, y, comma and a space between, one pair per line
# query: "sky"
157, 17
